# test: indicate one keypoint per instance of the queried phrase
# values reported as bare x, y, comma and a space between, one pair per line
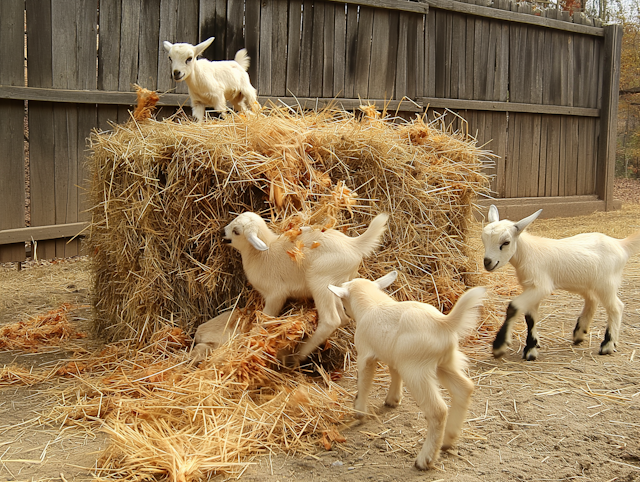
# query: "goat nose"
176, 74
487, 263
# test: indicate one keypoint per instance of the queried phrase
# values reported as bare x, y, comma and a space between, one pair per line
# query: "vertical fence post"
12, 188
605, 171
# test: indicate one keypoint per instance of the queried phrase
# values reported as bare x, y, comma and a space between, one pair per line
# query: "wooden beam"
552, 207
606, 162
21, 235
84, 96
482, 105
129, 98
402, 5
490, 12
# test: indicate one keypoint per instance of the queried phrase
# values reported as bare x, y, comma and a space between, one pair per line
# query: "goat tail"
463, 317
242, 58
368, 241
631, 244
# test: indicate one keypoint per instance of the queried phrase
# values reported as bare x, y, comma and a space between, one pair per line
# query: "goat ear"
523, 223
167, 46
339, 291
386, 280
493, 214
256, 242
202, 46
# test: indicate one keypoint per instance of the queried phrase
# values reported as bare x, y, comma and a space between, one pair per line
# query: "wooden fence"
539, 88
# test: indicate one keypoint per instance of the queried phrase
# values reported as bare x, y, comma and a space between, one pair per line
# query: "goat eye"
189, 59
235, 231
170, 59
506, 243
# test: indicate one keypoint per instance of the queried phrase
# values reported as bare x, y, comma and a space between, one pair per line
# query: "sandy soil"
571, 415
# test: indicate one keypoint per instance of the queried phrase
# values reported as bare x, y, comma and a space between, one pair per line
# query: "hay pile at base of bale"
162, 192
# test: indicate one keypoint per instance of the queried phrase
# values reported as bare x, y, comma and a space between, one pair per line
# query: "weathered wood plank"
412, 56
584, 136
402, 61
552, 207
129, 35
38, 233
234, 28
542, 162
65, 74
252, 40
317, 50
421, 46
440, 66
218, 51
494, 13
458, 60
470, 40
340, 50
552, 187
328, 50
279, 48
167, 31
149, 31
351, 51
41, 167
431, 54
266, 47
380, 52
293, 46
609, 120
12, 187
363, 53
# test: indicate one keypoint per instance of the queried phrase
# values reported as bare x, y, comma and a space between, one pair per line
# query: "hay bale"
163, 190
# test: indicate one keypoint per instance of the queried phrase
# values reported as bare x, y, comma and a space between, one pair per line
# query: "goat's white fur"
214, 333
588, 264
420, 346
212, 83
329, 257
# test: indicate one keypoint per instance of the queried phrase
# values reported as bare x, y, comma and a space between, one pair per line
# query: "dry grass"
164, 190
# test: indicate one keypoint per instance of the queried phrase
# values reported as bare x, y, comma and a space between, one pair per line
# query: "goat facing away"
212, 83
588, 264
420, 346
301, 264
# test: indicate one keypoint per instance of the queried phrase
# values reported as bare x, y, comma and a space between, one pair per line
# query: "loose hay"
167, 418
48, 329
163, 191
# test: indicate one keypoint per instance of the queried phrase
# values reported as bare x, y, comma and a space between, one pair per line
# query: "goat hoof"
424, 465
608, 349
530, 355
498, 352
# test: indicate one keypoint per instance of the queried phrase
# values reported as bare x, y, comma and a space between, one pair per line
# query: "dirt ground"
570, 415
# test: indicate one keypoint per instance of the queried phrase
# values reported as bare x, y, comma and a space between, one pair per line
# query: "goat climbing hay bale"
163, 190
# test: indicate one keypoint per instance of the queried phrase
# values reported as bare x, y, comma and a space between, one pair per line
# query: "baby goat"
301, 265
214, 333
212, 83
588, 264
420, 346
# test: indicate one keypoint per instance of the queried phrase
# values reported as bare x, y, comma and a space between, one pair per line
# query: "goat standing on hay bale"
588, 264
212, 83
420, 346
301, 265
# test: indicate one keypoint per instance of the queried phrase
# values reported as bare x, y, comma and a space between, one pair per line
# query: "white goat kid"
588, 264
212, 83
214, 333
420, 346
325, 257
